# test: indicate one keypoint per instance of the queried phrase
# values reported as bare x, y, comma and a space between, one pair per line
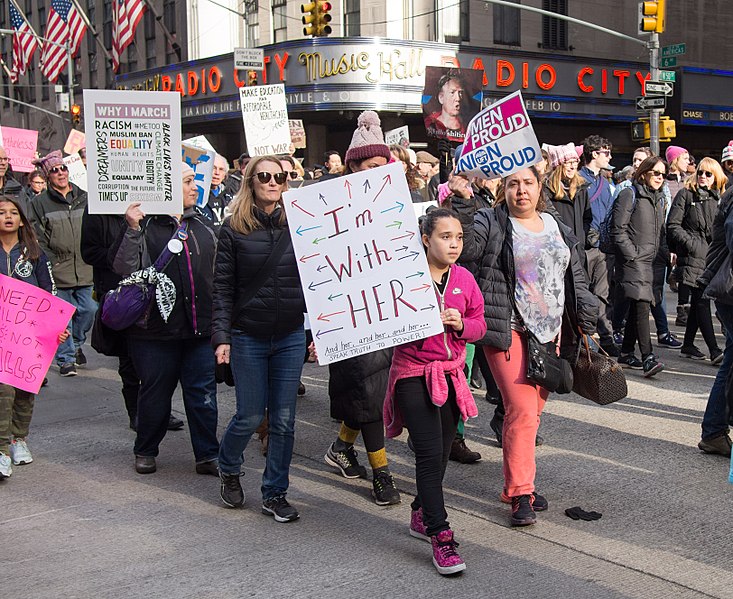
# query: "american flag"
126, 15
64, 24
24, 44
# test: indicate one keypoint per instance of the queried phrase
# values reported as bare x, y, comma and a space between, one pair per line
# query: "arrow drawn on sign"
398, 206
402, 249
347, 185
300, 230
322, 198
317, 240
419, 273
409, 234
367, 185
304, 258
321, 267
386, 179
332, 297
423, 287
430, 307
397, 223
319, 333
412, 255
294, 204
325, 317
313, 285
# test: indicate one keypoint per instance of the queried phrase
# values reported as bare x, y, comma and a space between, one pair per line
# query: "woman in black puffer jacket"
258, 328
689, 233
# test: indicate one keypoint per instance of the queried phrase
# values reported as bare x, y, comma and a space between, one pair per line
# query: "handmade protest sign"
31, 321
77, 170
265, 116
398, 137
202, 163
362, 265
20, 146
297, 133
499, 141
75, 142
451, 98
134, 151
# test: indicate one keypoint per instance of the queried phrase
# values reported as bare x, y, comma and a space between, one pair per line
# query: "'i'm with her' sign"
362, 265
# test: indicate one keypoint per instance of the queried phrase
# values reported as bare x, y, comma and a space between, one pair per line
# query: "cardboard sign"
31, 321
75, 142
135, 151
202, 163
451, 98
265, 116
398, 137
297, 133
500, 141
199, 141
20, 146
365, 277
77, 170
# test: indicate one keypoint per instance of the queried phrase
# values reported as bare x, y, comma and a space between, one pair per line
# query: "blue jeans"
715, 420
79, 325
266, 376
161, 365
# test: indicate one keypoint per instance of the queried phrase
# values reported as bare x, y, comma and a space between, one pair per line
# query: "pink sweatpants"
523, 403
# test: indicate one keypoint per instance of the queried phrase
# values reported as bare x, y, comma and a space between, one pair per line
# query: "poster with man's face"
451, 98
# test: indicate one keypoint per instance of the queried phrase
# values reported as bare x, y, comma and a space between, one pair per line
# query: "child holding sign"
427, 389
21, 258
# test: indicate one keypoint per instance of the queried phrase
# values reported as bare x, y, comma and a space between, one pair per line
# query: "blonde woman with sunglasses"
258, 329
689, 232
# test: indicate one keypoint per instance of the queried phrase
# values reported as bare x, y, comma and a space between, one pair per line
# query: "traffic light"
640, 130
652, 14
76, 114
667, 128
316, 18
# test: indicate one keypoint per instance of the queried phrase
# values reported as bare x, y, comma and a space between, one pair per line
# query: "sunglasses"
61, 168
606, 152
702, 173
293, 174
264, 177
654, 173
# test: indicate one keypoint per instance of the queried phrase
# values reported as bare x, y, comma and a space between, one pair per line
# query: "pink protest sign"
75, 142
31, 320
20, 146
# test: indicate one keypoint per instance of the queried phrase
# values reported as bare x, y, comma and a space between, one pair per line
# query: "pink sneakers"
445, 557
417, 526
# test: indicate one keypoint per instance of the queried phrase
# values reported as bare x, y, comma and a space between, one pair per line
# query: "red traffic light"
75, 110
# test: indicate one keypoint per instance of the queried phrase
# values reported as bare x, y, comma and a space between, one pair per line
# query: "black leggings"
637, 329
372, 434
432, 430
699, 317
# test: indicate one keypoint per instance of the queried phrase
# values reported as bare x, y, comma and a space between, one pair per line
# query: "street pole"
71, 74
654, 112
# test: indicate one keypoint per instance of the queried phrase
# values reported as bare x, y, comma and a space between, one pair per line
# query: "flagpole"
95, 35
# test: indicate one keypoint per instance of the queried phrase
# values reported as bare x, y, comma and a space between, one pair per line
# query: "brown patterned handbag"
597, 376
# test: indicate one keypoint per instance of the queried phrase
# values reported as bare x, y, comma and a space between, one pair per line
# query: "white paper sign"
398, 137
202, 163
199, 141
77, 170
365, 277
265, 116
499, 141
133, 151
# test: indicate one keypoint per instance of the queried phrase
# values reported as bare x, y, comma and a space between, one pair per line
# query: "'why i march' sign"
362, 265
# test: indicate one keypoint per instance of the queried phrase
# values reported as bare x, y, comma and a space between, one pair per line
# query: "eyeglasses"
264, 177
702, 173
606, 152
6, 159
61, 168
654, 173
292, 174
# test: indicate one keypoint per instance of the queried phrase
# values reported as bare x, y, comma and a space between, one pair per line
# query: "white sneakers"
19, 452
6, 468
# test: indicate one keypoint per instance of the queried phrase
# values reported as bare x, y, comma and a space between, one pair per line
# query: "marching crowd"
547, 255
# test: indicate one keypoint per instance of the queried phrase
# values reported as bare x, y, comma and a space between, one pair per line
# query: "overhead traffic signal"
652, 14
640, 130
316, 18
76, 114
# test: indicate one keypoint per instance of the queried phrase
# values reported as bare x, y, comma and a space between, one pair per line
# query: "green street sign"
667, 76
669, 62
675, 50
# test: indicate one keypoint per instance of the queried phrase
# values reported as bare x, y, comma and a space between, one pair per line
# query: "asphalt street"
79, 522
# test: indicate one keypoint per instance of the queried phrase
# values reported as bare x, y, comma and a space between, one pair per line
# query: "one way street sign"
659, 87
644, 103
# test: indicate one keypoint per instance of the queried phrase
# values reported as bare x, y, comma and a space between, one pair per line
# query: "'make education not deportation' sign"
133, 151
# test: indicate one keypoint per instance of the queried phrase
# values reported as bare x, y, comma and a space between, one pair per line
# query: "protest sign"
31, 321
499, 141
265, 116
297, 133
199, 141
77, 170
451, 98
398, 137
365, 277
20, 146
134, 151
75, 142
421, 208
202, 163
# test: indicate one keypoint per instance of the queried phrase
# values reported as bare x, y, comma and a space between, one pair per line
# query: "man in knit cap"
56, 214
726, 161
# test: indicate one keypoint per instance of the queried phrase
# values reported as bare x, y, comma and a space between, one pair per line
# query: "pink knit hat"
727, 152
49, 161
674, 152
368, 139
561, 154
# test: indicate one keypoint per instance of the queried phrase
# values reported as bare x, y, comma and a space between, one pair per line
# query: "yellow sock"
348, 435
378, 459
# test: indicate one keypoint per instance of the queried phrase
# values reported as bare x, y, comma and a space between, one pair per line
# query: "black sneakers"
384, 490
630, 361
231, 490
652, 366
692, 352
522, 510
346, 462
80, 359
279, 508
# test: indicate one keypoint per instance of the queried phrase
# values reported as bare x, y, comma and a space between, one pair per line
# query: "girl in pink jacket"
427, 390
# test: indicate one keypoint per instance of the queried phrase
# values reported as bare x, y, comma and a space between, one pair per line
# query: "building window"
92, 10
2, 14
150, 45
352, 18
253, 23
555, 31
169, 15
507, 21
107, 24
280, 20
455, 22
